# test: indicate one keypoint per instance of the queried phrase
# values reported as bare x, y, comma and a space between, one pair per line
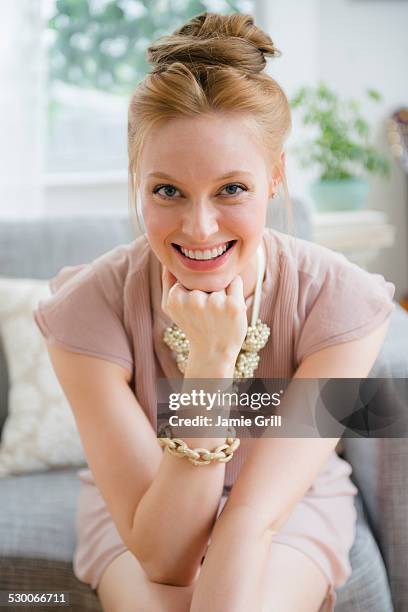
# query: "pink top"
110, 308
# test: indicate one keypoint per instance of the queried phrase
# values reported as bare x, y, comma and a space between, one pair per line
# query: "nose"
200, 221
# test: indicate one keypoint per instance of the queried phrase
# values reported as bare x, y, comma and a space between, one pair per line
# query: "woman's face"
196, 207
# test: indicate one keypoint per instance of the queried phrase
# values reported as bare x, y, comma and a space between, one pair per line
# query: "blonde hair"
212, 64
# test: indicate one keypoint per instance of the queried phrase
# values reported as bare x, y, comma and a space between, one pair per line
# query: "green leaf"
374, 94
361, 126
340, 145
298, 97
324, 93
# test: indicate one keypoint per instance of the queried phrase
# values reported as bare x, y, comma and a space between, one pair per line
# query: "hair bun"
211, 39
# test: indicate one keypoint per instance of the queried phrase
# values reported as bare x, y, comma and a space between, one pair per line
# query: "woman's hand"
214, 323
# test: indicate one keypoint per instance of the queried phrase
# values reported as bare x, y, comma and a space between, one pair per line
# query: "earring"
275, 193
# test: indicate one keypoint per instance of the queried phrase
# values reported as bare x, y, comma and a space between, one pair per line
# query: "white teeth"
207, 254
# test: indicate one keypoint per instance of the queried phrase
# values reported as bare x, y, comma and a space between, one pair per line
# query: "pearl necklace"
256, 337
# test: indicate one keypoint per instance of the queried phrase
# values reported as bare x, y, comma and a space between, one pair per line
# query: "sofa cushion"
40, 431
367, 588
37, 515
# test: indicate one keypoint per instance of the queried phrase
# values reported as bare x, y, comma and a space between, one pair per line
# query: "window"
96, 56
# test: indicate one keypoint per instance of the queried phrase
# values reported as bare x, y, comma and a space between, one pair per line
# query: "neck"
250, 275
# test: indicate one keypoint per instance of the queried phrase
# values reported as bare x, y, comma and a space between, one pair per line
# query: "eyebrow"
227, 175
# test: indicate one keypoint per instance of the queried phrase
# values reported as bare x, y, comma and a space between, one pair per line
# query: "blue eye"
235, 185
171, 187
157, 189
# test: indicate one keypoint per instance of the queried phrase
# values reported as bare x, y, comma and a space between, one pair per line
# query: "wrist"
220, 364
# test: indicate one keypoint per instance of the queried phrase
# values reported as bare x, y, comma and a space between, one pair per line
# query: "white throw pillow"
40, 430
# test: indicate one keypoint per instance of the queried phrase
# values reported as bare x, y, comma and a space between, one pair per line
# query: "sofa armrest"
380, 471
380, 465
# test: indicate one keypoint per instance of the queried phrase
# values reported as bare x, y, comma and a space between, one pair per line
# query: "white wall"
364, 43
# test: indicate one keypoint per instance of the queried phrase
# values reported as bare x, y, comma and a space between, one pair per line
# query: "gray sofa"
37, 512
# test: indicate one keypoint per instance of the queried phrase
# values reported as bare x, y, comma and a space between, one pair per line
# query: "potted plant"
340, 148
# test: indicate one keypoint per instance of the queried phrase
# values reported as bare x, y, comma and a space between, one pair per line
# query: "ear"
277, 174
280, 171
283, 161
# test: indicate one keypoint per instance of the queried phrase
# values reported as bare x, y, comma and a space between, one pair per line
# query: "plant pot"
346, 194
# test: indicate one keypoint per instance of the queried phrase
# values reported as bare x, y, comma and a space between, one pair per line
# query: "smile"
205, 254
205, 260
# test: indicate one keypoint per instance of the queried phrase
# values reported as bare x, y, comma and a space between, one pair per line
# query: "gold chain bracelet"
201, 456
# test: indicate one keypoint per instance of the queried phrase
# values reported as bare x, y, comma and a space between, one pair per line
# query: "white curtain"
22, 109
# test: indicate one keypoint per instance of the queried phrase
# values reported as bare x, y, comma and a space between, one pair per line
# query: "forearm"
231, 577
173, 520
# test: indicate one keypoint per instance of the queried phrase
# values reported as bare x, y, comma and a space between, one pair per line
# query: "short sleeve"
340, 302
84, 313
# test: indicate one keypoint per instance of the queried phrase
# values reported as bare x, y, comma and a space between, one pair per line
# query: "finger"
236, 287
217, 297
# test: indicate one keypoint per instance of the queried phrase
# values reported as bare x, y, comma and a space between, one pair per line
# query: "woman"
206, 133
